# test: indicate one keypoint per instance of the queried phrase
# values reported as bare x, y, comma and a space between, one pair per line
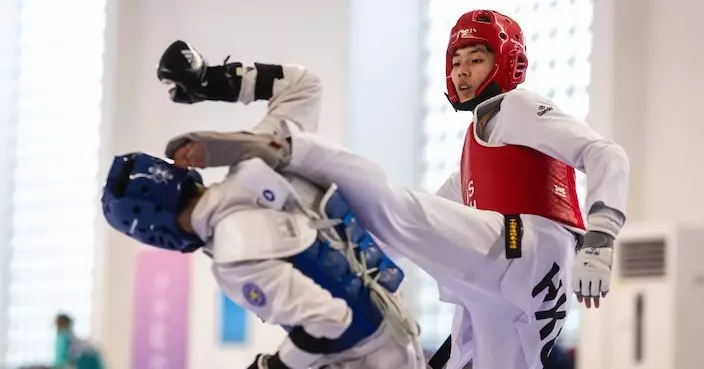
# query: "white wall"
646, 95
327, 36
386, 84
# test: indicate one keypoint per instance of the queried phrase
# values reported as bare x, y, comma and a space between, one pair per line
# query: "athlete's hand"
592, 268
190, 154
207, 149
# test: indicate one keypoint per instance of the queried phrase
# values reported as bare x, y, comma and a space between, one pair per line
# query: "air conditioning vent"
641, 258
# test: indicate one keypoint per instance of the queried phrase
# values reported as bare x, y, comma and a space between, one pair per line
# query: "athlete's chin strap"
490, 91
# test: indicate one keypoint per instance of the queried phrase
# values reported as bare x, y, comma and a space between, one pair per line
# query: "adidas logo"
193, 59
542, 109
188, 54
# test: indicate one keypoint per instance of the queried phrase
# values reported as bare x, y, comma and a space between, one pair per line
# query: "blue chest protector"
330, 269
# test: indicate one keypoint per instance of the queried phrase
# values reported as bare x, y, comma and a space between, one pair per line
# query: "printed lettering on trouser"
554, 318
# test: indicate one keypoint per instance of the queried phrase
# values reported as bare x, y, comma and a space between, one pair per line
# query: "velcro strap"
266, 74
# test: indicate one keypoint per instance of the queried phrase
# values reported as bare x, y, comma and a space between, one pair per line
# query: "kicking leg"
451, 242
439, 235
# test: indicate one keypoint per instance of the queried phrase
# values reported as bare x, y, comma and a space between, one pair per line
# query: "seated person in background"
71, 351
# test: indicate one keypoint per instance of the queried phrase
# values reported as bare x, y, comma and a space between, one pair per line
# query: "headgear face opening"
504, 37
143, 196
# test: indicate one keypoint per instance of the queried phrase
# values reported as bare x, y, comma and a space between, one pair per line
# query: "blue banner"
233, 327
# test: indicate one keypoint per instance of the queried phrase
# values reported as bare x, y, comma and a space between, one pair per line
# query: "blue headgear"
143, 196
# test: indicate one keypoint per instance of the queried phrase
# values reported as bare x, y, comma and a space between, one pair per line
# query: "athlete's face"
470, 67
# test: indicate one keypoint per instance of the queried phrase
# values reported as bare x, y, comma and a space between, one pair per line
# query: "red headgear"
503, 36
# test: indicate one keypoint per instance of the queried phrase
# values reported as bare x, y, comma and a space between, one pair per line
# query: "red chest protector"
518, 180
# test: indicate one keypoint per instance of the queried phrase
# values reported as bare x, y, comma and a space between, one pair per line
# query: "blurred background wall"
78, 85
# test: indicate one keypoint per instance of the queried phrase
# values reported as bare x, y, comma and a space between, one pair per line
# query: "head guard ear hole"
126, 222
483, 18
145, 190
123, 178
503, 36
158, 209
136, 210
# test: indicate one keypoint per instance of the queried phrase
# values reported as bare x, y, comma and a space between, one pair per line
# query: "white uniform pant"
517, 306
516, 326
379, 351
